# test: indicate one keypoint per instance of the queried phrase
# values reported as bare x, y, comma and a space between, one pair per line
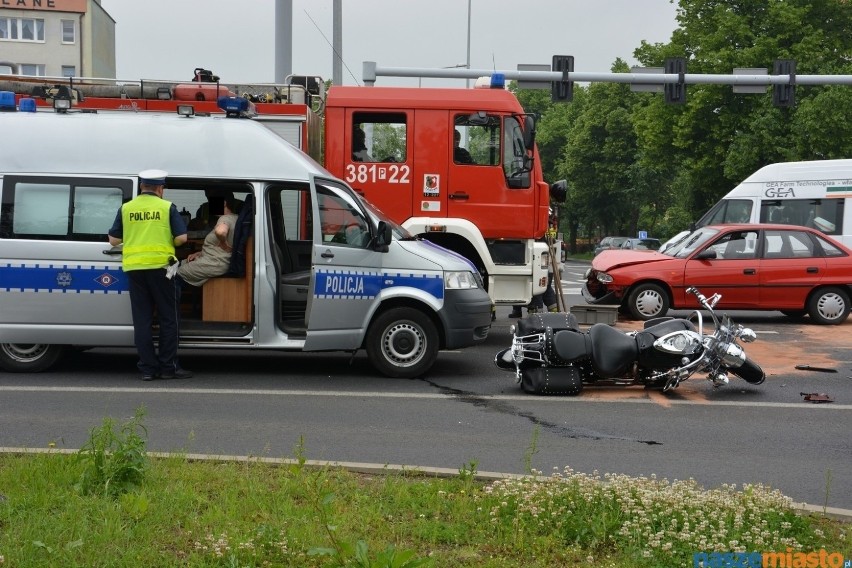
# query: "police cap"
153, 177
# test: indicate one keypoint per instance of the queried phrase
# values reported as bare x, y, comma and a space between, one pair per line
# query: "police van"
318, 268
813, 193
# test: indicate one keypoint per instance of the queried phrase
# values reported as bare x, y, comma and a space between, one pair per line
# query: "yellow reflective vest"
147, 233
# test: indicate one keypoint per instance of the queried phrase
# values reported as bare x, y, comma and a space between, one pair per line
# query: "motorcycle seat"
613, 352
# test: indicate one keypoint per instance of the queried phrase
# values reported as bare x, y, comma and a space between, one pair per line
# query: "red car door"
789, 269
734, 272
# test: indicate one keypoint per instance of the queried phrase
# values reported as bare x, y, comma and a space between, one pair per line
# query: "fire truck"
456, 166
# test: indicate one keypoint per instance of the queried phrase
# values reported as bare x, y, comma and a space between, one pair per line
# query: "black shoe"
179, 374
149, 377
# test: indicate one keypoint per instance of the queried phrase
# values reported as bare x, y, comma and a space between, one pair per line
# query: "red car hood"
609, 259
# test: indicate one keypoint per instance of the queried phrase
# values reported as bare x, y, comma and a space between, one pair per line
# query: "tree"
718, 138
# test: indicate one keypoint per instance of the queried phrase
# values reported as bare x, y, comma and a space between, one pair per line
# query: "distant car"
642, 244
609, 243
796, 270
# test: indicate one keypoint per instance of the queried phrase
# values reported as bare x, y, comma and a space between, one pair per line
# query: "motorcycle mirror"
504, 360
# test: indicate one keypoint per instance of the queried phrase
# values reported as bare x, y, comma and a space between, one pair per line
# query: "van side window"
63, 208
825, 215
341, 220
379, 137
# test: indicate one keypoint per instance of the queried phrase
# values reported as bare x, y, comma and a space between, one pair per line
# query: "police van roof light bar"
237, 107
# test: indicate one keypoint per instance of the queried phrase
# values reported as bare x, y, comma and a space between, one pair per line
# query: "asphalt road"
467, 411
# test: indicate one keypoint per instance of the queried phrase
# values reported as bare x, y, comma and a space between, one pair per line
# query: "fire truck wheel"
402, 342
28, 357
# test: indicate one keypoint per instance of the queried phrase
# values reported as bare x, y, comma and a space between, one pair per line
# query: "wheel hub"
403, 344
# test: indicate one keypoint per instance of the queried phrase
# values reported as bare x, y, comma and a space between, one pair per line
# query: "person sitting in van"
210, 210
359, 145
214, 258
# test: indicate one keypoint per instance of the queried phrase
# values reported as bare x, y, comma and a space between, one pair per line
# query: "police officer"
150, 227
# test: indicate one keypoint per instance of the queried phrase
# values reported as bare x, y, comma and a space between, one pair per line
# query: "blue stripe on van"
360, 285
63, 278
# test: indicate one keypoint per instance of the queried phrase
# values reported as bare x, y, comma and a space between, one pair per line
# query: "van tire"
29, 357
402, 343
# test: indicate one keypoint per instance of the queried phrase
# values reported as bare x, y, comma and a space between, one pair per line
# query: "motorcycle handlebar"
705, 303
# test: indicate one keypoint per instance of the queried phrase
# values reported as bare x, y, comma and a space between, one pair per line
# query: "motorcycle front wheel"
750, 372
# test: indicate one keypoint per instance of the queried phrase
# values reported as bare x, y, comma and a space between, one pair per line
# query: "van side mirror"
383, 237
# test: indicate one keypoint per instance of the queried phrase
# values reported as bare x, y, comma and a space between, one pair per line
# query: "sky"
168, 39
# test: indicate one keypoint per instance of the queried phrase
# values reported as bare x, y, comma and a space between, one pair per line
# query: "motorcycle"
551, 355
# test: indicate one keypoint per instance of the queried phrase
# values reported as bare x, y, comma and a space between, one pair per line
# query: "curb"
843, 515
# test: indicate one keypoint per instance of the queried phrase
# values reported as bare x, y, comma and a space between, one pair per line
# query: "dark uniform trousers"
149, 289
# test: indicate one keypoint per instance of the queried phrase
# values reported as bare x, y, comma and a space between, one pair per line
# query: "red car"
796, 270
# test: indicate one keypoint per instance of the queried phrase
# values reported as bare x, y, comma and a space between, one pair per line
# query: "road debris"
812, 368
816, 397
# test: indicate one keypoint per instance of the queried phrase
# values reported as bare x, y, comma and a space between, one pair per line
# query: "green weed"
114, 461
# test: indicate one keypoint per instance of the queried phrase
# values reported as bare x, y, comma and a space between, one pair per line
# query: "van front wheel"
28, 357
402, 342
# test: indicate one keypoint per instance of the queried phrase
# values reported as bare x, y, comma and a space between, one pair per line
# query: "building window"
69, 71
68, 31
32, 69
22, 29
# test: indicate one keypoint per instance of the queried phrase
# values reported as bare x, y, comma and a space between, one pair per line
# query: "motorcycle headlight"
679, 343
460, 280
733, 356
604, 278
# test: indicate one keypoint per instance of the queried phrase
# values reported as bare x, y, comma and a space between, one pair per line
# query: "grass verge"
112, 506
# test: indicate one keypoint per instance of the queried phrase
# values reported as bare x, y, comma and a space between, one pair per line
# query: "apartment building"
57, 38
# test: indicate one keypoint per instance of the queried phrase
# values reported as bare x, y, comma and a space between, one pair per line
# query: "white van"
814, 194
321, 269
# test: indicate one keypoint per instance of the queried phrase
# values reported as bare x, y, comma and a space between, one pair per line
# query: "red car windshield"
692, 242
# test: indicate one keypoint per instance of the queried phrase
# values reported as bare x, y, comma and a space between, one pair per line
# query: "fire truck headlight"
460, 280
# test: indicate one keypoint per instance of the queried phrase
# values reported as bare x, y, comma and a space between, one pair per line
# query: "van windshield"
727, 211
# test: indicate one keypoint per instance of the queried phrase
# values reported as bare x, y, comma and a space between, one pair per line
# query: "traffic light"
562, 91
675, 93
784, 95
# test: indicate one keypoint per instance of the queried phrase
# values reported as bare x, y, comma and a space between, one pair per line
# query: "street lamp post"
467, 81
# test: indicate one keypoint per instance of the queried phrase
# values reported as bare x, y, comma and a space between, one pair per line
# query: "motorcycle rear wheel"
750, 372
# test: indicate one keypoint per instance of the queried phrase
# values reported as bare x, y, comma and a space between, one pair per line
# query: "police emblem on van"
63, 279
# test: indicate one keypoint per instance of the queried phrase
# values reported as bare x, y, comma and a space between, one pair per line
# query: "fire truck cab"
487, 201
